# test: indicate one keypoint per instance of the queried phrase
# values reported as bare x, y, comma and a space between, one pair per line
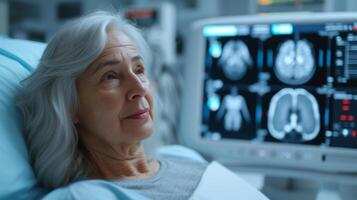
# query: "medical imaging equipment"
274, 91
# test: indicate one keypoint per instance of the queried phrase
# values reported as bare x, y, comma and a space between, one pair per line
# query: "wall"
4, 26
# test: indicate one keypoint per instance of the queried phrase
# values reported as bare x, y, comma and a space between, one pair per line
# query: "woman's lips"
141, 114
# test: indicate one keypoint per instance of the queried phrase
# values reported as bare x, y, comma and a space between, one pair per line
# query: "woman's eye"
140, 70
109, 76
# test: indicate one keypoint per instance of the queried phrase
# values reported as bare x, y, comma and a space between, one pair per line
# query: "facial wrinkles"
123, 44
123, 54
111, 138
127, 52
124, 51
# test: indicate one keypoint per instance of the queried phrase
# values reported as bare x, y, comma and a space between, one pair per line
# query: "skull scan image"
235, 59
234, 106
293, 115
295, 62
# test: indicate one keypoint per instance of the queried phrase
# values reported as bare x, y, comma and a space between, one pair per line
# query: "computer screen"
274, 87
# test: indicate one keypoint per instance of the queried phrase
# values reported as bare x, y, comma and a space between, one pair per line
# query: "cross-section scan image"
235, 60
295, 62
228, 112
301, 60
233, 110
293, 115
232, 60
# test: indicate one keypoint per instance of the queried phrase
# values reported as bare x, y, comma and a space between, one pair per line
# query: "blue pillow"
17, 59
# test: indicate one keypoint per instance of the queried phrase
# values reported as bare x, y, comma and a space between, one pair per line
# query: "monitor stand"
280, 188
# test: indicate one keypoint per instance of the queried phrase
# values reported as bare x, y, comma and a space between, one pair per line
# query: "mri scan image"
294, 62
294, 85
235, 59
233, 109
293, 115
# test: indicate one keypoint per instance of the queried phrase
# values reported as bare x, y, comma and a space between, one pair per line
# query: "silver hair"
49, 99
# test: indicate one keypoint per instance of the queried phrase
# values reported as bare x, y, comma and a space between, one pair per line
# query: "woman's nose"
137, 88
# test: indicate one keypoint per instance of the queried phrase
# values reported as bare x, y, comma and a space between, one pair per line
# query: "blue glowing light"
213, 102
220, 30
215, 49
282, 29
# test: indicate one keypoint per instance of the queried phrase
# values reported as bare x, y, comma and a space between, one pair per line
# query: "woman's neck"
127, 161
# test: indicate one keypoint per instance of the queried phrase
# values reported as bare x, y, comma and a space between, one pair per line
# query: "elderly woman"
88, 107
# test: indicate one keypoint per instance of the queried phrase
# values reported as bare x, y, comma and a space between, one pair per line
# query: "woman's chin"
143, 133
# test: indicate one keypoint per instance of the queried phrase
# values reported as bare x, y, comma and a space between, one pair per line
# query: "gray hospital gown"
176, 180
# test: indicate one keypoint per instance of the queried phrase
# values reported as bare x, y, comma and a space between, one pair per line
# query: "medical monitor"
275, 91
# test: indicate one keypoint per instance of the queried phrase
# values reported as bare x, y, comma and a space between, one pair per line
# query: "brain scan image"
293, 116
295, 62
235, 59
233, 108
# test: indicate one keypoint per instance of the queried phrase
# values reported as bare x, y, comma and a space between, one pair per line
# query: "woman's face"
115, 104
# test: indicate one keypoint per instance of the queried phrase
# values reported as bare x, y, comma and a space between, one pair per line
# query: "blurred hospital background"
272, 97
39, 19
